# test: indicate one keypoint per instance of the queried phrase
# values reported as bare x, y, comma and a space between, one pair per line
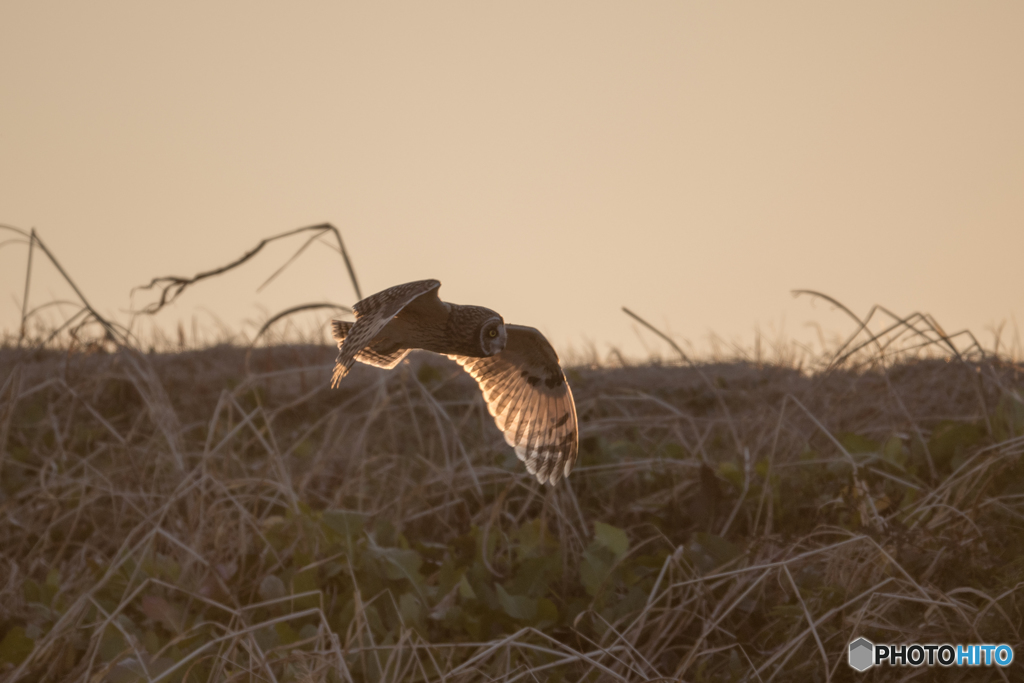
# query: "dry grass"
169, 516
206, 516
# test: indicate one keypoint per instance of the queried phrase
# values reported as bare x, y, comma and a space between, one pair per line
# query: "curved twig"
284, 313
172, 286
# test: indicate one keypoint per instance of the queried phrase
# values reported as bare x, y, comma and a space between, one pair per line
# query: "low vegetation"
220, 514
172, 517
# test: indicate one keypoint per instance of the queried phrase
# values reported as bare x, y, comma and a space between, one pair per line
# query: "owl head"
492, 336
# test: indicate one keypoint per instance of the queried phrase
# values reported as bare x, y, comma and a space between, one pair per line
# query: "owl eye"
492, 334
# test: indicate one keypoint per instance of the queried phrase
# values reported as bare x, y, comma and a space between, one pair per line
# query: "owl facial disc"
492, 337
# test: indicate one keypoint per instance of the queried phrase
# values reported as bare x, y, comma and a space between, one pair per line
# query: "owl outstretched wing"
369, 355
527, 395
372, 314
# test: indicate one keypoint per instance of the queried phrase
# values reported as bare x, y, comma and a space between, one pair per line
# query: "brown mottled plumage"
515, 366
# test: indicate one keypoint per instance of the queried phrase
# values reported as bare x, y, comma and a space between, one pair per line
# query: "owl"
515, 367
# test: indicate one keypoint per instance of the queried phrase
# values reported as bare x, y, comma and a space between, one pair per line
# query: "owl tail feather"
340, 370
340, 330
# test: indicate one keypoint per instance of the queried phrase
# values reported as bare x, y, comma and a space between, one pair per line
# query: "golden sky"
551, 160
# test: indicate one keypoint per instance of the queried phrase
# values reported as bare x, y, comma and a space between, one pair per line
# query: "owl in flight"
515, 366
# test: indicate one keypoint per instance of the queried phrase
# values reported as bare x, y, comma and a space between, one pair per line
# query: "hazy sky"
551, 160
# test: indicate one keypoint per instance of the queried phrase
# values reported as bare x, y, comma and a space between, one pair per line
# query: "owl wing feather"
372, 314
531, 402
369, 354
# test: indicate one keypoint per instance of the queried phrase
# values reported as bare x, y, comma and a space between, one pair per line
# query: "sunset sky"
553, 161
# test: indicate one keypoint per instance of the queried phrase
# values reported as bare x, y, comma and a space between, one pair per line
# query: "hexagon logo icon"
861, 655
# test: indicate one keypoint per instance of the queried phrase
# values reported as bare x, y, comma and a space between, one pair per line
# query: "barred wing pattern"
372, 314
530, 401
368, 355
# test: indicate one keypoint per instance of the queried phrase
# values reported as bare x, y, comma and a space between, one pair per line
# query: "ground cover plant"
220, 514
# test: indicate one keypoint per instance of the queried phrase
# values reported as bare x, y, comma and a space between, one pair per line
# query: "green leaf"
595, 564
518, 607
400, 564
547, 613
151, 641
161, 611
894, 452
111, 644
411, 610
951, 441
761, 467
267, 638
384, 533
534, 574
276, 531
731, 472
465, 590
272, 587
303, 449
633, 601
611, 537
448, 575
31, 591
373, 618
479, 578
286, 634
535, 539
305, 582
708, 551
345, 523
625, 450
15, 646
674, 451
718, 548
855, 443
1009, 418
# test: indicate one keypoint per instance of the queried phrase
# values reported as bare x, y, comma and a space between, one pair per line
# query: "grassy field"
207, 516
220, 514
